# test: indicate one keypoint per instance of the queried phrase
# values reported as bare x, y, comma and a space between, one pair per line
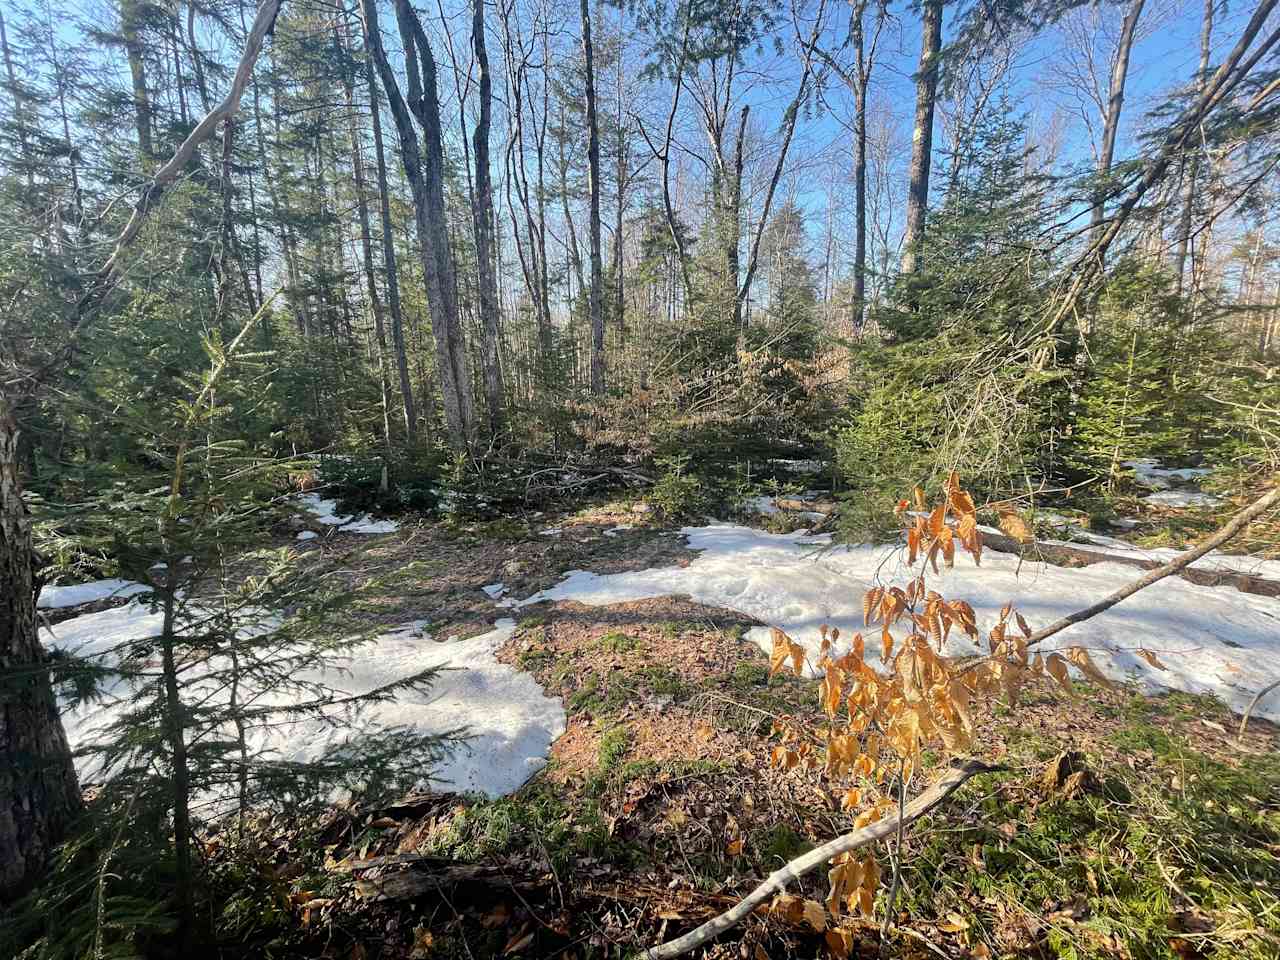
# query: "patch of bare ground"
436, 571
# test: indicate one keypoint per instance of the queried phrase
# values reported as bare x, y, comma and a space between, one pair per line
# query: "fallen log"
408, 876
1176, 566
1065, 555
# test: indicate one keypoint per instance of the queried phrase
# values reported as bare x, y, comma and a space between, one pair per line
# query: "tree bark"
425, 172
863, 68
39, 795
366, 241
482, 218
408, 407
130, 15
596, 292
1193, 163
1115, 103
922, 135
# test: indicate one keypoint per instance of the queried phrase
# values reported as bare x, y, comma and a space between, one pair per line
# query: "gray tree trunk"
922, 135
1115, 104
482, 217
130, 15
366, 242
425, 173
407, 404
1193, 164
596, 292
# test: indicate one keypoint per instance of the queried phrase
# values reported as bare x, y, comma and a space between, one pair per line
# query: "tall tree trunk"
1111, 120
596, 293
482, 217
1193, 163
863, 68
922, 134
366, 238
425, 173
389, 266
130, 21
19, 107
39, 795
619, 284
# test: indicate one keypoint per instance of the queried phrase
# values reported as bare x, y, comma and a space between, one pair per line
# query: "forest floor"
658, 807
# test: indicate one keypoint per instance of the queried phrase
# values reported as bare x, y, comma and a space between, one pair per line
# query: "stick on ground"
797, 868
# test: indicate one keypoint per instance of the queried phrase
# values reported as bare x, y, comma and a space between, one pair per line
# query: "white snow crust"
325, 511
58, 598
511, 722
1212, 639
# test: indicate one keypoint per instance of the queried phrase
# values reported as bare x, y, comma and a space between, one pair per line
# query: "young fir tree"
222, 695
940, 391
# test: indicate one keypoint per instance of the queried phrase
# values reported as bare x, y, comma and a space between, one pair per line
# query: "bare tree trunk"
130, 17
1193, 164
922, 134
389, 266
1115, 103
366, 240
596, 294
425, 173
19, 108
482, 215
863, 69
619, 285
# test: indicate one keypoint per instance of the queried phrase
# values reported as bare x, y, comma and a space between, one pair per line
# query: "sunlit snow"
57, 598
325, 511
1212, 639
511, 721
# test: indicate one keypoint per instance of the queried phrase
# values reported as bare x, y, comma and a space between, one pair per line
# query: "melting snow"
57, 598
325, 511
1181, 498
511, 721
1213, 640
1150, 474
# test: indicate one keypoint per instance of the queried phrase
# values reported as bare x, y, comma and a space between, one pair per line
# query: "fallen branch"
1174, 566
797, 868
1257, 698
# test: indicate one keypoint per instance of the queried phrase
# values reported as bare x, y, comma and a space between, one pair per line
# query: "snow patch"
308, 535
511, 722
620, 528
1181, 498
1149, 473
798, 466
325, 511
1212, 640
495, 590
58, 598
